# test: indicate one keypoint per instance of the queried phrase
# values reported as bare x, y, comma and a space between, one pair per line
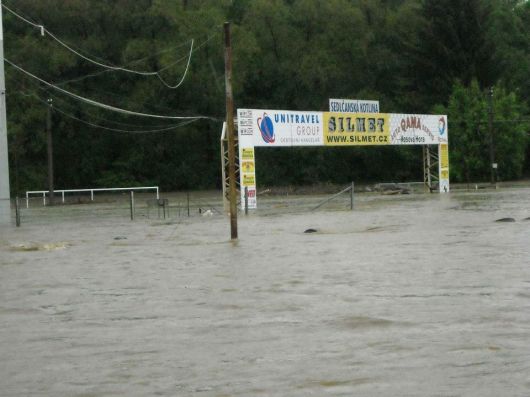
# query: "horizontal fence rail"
116, 189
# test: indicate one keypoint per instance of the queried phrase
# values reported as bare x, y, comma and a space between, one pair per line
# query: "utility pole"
490, 126
230, 132
50, 150
5, 197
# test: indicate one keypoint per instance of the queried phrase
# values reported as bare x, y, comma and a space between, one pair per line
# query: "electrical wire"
520, 120
86, 113
183, 76
88, 76
173, 127
58, 97
104, 65
102, 105
158, 130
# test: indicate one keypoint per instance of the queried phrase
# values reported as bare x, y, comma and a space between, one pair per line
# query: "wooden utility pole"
230, 132
50, 150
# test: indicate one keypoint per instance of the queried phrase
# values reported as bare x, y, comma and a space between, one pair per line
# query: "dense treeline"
414, 56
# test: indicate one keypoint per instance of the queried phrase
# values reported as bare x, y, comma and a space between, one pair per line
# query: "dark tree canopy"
287, 54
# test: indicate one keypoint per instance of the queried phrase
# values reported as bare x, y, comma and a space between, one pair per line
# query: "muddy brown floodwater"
419, 295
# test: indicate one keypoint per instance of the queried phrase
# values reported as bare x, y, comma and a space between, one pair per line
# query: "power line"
166, 129
119, 97
102, 105
159, 130
91, 115
183, 76
77, 79
104, 65
520, 120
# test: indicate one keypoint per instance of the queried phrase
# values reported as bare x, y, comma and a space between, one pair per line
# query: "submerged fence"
137, 204
45, 193
113, 205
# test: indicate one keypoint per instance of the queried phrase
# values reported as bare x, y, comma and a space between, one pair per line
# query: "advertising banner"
277, 128
443, 161
247, 175
345, 129
418, 129
280, 127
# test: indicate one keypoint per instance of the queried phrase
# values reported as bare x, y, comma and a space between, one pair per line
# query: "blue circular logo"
441, 125
266, 127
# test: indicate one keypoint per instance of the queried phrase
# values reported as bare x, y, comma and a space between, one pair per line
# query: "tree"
453, 44
469, 136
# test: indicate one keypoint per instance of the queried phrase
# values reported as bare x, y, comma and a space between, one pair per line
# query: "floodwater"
417, 295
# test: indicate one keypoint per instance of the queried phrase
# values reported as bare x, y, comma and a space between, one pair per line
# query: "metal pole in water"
491, 143
131, 201
246, 200
17, 212
351, 196
5, 198
50, 151
230, 132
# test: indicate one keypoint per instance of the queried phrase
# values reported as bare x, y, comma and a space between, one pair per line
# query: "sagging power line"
70, 116
102, 105
108, 66
88, 76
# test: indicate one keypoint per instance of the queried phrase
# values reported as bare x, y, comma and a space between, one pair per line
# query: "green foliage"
470, 139
287, 54
454, 45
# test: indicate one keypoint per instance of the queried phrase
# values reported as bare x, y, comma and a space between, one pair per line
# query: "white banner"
418, 129
353, 106
279, 128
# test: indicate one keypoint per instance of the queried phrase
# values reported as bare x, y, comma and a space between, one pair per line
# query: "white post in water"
5, 198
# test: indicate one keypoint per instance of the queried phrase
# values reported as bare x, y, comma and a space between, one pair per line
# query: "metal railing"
348, 189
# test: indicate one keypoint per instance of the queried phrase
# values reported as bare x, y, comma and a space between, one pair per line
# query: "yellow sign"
346, 129
247, 166
247, 153
249, 180
444, 156
444, 174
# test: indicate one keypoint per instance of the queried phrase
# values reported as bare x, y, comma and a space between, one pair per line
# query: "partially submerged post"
493, 165
351, 196
50, 150
230, 132
17, 212
5, 198
131, 204
246, 200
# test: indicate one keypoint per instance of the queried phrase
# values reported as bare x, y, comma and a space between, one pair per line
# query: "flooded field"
413, 295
